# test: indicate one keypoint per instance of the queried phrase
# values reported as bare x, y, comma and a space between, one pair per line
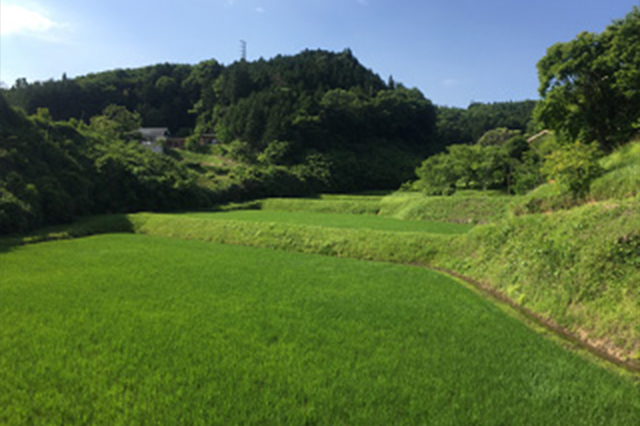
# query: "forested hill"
181, 96
318, 109
163, 94
166, 94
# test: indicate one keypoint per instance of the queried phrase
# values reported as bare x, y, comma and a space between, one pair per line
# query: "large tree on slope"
590, 86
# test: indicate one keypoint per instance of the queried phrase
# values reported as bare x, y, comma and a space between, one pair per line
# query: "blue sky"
454, 51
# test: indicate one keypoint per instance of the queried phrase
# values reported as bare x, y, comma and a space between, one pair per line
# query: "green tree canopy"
590, 86
502, 159
116, 121
457, 125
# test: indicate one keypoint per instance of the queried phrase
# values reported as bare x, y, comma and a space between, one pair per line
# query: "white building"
152, 137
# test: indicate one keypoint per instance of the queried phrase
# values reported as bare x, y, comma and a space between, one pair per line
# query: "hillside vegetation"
290, 126
210, 96
619, 178
579, 267
53, 172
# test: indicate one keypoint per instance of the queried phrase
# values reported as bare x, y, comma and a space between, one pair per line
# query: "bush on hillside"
574, 167
544, 198
617, 178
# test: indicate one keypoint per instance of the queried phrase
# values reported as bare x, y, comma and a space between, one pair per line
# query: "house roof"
153, 132
538, 136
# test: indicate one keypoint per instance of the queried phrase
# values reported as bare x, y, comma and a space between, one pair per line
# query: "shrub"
574, 167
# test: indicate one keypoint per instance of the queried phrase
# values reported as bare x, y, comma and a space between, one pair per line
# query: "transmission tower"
243, 50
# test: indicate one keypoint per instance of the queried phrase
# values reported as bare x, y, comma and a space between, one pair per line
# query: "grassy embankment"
579, 264
148, 330
362, 243
620, 181
463, 207
579, 267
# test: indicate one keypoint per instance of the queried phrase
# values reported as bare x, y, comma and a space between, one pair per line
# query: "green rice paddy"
134, 329
337, 220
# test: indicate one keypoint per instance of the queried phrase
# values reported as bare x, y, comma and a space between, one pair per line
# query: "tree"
590, 86
464, 167
436, 175
492, 163
116, 121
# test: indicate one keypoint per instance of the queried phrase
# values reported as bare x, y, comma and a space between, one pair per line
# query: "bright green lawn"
335, 220
132, 329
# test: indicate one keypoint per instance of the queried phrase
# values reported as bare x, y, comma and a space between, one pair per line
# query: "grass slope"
620, 180
130, 329
622, 177
580, 267
467, 207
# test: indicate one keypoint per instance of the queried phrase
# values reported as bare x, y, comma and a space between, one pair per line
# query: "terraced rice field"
336, 220
135, 329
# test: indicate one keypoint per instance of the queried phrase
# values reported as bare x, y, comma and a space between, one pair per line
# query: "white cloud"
16, 19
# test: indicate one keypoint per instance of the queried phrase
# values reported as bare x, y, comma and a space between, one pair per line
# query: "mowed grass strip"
133, 329
337, 220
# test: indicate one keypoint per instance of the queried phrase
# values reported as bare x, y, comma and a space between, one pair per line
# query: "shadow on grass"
7, 244
84, 227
